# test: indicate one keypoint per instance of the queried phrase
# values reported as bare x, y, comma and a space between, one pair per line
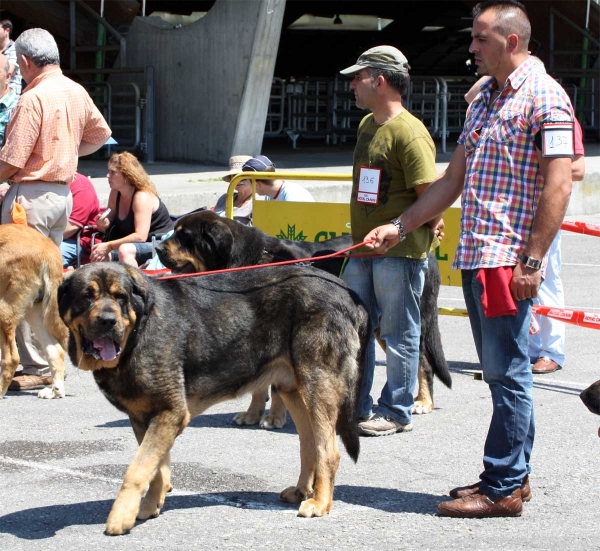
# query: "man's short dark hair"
7, 24
511, 18
397, 80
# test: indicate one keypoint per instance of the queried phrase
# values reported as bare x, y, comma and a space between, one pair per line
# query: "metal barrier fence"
325, 108
127, 106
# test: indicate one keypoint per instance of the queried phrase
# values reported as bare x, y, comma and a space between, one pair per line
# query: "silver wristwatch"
531, 262
400, 228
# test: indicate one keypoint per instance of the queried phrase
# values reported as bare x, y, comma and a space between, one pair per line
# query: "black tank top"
160, 223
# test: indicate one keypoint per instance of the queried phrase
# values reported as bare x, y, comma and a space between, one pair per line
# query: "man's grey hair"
6, 64
39, 46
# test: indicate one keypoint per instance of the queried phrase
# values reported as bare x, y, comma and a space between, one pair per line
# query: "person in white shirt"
275, 190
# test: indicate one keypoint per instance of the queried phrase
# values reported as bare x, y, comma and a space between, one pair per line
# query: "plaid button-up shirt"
503, 182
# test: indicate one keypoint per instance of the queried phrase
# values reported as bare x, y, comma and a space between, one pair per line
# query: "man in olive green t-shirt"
394, 163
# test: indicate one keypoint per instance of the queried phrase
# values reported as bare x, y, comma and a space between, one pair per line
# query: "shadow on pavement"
45, 522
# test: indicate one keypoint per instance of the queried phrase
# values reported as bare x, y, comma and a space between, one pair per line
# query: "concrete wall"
212, 78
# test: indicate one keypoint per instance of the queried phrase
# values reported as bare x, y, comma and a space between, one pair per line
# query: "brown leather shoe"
30, 382
545, 365
464, 491
481, 506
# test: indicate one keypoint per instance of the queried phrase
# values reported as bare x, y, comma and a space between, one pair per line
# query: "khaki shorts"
47, 206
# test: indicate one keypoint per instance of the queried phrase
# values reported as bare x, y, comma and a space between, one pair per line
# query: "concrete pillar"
212, 78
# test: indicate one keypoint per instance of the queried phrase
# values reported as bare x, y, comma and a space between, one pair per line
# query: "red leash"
311, 259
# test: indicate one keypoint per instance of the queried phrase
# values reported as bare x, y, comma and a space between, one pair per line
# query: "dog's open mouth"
103, 348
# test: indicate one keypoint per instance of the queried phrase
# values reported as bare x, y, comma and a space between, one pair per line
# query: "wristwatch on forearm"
400, 228
531, 262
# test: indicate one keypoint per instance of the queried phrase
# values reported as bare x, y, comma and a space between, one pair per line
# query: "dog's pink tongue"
106, 348
599, 431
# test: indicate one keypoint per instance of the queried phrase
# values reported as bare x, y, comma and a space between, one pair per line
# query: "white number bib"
368, 185
557, 139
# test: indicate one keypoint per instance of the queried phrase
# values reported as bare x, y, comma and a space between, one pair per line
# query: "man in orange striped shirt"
54, 123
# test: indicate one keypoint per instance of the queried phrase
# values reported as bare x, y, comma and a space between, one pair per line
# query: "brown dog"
165, 351
30, 274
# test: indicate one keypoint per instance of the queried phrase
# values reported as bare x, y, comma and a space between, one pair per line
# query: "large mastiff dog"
30, 273
165, 351
204, 241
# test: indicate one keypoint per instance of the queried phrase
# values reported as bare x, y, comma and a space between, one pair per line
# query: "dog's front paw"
55, 391
312, 508
117, 525
421, 408
273, 421
293, 494
247, 418
148, 509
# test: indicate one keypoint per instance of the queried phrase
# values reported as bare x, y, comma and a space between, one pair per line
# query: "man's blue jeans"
502, 347
391, 289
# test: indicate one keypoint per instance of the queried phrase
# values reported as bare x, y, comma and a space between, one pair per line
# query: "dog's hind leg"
255, 411
10, 356
323, 418
276, 417
151, 456
308, 459
424, 401
54, 351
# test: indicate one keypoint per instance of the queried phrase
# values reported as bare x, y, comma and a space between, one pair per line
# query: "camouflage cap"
387, 58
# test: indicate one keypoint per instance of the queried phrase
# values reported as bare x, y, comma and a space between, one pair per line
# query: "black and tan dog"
30, 273
591, 398
165, 351
205, 241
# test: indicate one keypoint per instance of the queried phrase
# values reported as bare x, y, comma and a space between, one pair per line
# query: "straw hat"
235, 166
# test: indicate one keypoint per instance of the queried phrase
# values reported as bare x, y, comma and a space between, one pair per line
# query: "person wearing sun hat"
277, 189
394, 162
242, 197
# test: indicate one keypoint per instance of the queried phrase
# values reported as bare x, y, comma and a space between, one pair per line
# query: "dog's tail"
432, 341
347, 424
51, 274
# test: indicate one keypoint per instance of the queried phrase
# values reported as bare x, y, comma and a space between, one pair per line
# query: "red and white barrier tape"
574, 317
581, 227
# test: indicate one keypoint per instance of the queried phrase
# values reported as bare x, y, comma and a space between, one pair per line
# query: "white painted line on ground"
88, 476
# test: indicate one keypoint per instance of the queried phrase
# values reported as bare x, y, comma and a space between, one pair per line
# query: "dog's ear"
64, 296
219, 239
140, 290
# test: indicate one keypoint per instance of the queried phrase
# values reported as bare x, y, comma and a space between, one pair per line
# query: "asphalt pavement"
63, 461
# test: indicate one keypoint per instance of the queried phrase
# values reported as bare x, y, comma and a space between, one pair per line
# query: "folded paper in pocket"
18, 214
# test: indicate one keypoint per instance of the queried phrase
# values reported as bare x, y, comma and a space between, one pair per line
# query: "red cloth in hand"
496, 298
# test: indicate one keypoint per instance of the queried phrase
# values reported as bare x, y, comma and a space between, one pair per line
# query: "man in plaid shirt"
513, 167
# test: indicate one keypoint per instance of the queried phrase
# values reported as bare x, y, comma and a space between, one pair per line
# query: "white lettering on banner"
557, 139
561, 314
591, 318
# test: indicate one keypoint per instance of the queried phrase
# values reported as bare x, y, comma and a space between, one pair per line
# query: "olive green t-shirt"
404, 151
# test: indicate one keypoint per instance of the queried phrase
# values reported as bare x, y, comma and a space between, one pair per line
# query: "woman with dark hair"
136, 213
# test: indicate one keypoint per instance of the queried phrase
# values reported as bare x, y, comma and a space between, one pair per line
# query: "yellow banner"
321, 221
